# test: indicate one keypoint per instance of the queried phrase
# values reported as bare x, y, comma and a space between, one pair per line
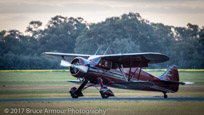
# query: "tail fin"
171, 74
171, 79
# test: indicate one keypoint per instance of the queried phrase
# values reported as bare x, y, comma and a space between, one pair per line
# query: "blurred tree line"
129, 33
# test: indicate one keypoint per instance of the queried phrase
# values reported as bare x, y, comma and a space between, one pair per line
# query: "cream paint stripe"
65, 70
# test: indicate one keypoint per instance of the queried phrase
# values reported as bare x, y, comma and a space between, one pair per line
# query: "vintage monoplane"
118, 71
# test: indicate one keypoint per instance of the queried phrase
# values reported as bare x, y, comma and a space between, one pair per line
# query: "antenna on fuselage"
106, 50
97, 50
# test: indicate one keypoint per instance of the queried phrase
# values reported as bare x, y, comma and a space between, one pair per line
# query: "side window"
101, 63
109, 64
105, 63
115, 66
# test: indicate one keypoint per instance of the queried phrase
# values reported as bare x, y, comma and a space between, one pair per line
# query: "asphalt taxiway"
109, 99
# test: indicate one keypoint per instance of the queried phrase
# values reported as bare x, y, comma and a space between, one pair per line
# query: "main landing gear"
104, 91
75, 93
165, 95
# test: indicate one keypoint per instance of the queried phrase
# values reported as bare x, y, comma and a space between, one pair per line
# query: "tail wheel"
72, 92
165, 95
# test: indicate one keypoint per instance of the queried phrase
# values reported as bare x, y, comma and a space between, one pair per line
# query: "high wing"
136, 59
65, 55
127, 60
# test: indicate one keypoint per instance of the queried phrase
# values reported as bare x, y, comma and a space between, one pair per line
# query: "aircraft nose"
79, 67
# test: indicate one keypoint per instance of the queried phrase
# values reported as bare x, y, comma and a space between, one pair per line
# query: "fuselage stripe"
104, 73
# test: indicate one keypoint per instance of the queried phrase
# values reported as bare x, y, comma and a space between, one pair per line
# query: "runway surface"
109, 99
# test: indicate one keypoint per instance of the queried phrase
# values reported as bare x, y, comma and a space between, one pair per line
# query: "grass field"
54, 84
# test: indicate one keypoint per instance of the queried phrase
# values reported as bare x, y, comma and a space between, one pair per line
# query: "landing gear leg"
104, 91
75, 93
165, 95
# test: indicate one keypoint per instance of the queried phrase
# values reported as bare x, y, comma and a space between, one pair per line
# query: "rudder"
171, 79
171, 74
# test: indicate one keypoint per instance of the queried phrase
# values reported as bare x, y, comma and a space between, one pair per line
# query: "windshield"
95, 59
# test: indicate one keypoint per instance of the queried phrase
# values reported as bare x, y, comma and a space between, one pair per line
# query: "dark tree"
129, 33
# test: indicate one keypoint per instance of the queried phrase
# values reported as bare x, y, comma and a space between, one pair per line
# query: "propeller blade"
65, 63
79, 67
82, 68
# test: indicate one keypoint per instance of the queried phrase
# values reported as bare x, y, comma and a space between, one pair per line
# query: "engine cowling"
78, 63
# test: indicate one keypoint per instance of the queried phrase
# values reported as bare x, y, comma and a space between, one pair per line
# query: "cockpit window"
105, 63
96, 60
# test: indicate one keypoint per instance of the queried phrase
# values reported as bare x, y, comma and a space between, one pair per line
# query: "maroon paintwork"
167, 83
119, 71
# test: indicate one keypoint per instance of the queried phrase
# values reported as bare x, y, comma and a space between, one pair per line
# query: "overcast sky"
16, 14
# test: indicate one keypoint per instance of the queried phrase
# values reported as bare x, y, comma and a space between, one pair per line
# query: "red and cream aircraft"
118, 71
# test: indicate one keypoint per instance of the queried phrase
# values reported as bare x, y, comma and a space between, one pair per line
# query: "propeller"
82, 68
65, 63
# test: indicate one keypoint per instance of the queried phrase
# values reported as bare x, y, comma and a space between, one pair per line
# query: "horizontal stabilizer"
189, 83
133, 85
174, 82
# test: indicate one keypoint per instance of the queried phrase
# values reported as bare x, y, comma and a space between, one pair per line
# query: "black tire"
103, 95
165, 96
72, 92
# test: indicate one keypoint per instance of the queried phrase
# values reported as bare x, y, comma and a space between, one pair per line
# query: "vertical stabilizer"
171, 79
171, 74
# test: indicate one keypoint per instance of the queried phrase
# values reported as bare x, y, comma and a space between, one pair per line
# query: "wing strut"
121, 70
139, 73
63, 58
130, 76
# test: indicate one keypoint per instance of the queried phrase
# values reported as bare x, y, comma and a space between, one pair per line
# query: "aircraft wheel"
72, 92
103, 95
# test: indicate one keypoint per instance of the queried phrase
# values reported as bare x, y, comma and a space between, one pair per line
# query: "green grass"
111, 107
35, 78
186, 76
61, 78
